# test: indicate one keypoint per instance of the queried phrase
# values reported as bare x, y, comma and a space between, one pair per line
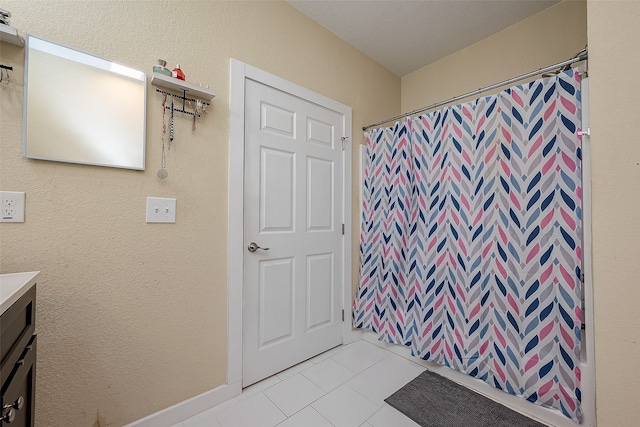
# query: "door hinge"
343, 315
343, 229
343, 139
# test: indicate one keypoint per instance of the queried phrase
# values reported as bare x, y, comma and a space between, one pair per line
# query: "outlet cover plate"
11, 206
161, 209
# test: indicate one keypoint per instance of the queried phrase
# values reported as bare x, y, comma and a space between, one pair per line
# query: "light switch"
161, 210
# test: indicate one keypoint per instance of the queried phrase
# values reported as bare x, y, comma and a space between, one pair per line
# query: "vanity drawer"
18, 392
17, 326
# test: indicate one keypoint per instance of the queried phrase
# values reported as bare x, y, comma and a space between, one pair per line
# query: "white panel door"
293, 211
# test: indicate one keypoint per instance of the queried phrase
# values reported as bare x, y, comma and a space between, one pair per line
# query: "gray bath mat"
434, 401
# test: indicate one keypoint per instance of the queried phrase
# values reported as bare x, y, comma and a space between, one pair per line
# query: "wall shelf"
187, 88
10, 35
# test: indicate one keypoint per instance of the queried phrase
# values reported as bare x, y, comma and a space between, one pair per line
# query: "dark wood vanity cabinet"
18, 362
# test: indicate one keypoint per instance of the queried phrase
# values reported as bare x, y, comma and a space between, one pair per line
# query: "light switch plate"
11, 206
161, 210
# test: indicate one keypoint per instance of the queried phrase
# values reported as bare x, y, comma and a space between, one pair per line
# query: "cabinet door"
21, 384
17, 325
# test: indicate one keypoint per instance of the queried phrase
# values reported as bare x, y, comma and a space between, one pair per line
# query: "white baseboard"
181, 411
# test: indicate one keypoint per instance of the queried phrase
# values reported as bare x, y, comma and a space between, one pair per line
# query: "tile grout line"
343, 382
325, 393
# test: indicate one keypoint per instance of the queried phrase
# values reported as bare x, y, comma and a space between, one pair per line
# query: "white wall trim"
588, 362
356, 334
181, 411
235, 242
239, 73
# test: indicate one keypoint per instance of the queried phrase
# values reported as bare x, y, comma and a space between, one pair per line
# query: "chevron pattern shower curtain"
470, 250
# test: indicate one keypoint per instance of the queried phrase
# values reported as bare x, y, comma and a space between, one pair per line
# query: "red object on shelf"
177, 73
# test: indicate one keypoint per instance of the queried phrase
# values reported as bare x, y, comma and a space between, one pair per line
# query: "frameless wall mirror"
79, 108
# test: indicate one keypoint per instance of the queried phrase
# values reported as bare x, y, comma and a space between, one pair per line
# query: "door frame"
239, 72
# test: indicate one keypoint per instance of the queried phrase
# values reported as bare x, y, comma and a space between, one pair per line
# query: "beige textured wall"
614, 35
545, 38
132, 316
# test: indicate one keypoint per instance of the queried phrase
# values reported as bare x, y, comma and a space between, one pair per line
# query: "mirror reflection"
82, 109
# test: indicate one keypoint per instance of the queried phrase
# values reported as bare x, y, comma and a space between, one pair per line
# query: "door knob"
9, 416
253, 246
18, 404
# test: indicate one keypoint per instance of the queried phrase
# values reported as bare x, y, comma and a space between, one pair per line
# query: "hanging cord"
198, 110
171, 125
164, 131
162, 172
4, 74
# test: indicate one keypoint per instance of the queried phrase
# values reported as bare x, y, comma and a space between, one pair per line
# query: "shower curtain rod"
579, 57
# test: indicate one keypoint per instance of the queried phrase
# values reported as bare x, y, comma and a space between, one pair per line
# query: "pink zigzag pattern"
471, 239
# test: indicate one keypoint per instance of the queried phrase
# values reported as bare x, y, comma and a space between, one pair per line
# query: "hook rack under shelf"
197, 92
184, 100
172, 83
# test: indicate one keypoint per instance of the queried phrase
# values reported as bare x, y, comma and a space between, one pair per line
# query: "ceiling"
406, 35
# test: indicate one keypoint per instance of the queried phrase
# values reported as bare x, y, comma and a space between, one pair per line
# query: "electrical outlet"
11, 206
161, 210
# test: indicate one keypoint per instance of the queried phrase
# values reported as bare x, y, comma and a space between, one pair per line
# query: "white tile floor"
344, 387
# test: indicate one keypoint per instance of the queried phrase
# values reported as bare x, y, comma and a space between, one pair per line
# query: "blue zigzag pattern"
471, 239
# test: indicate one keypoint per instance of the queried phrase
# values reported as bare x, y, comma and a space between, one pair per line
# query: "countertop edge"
13, 286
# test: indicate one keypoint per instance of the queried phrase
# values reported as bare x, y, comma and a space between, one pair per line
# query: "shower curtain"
470, 250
